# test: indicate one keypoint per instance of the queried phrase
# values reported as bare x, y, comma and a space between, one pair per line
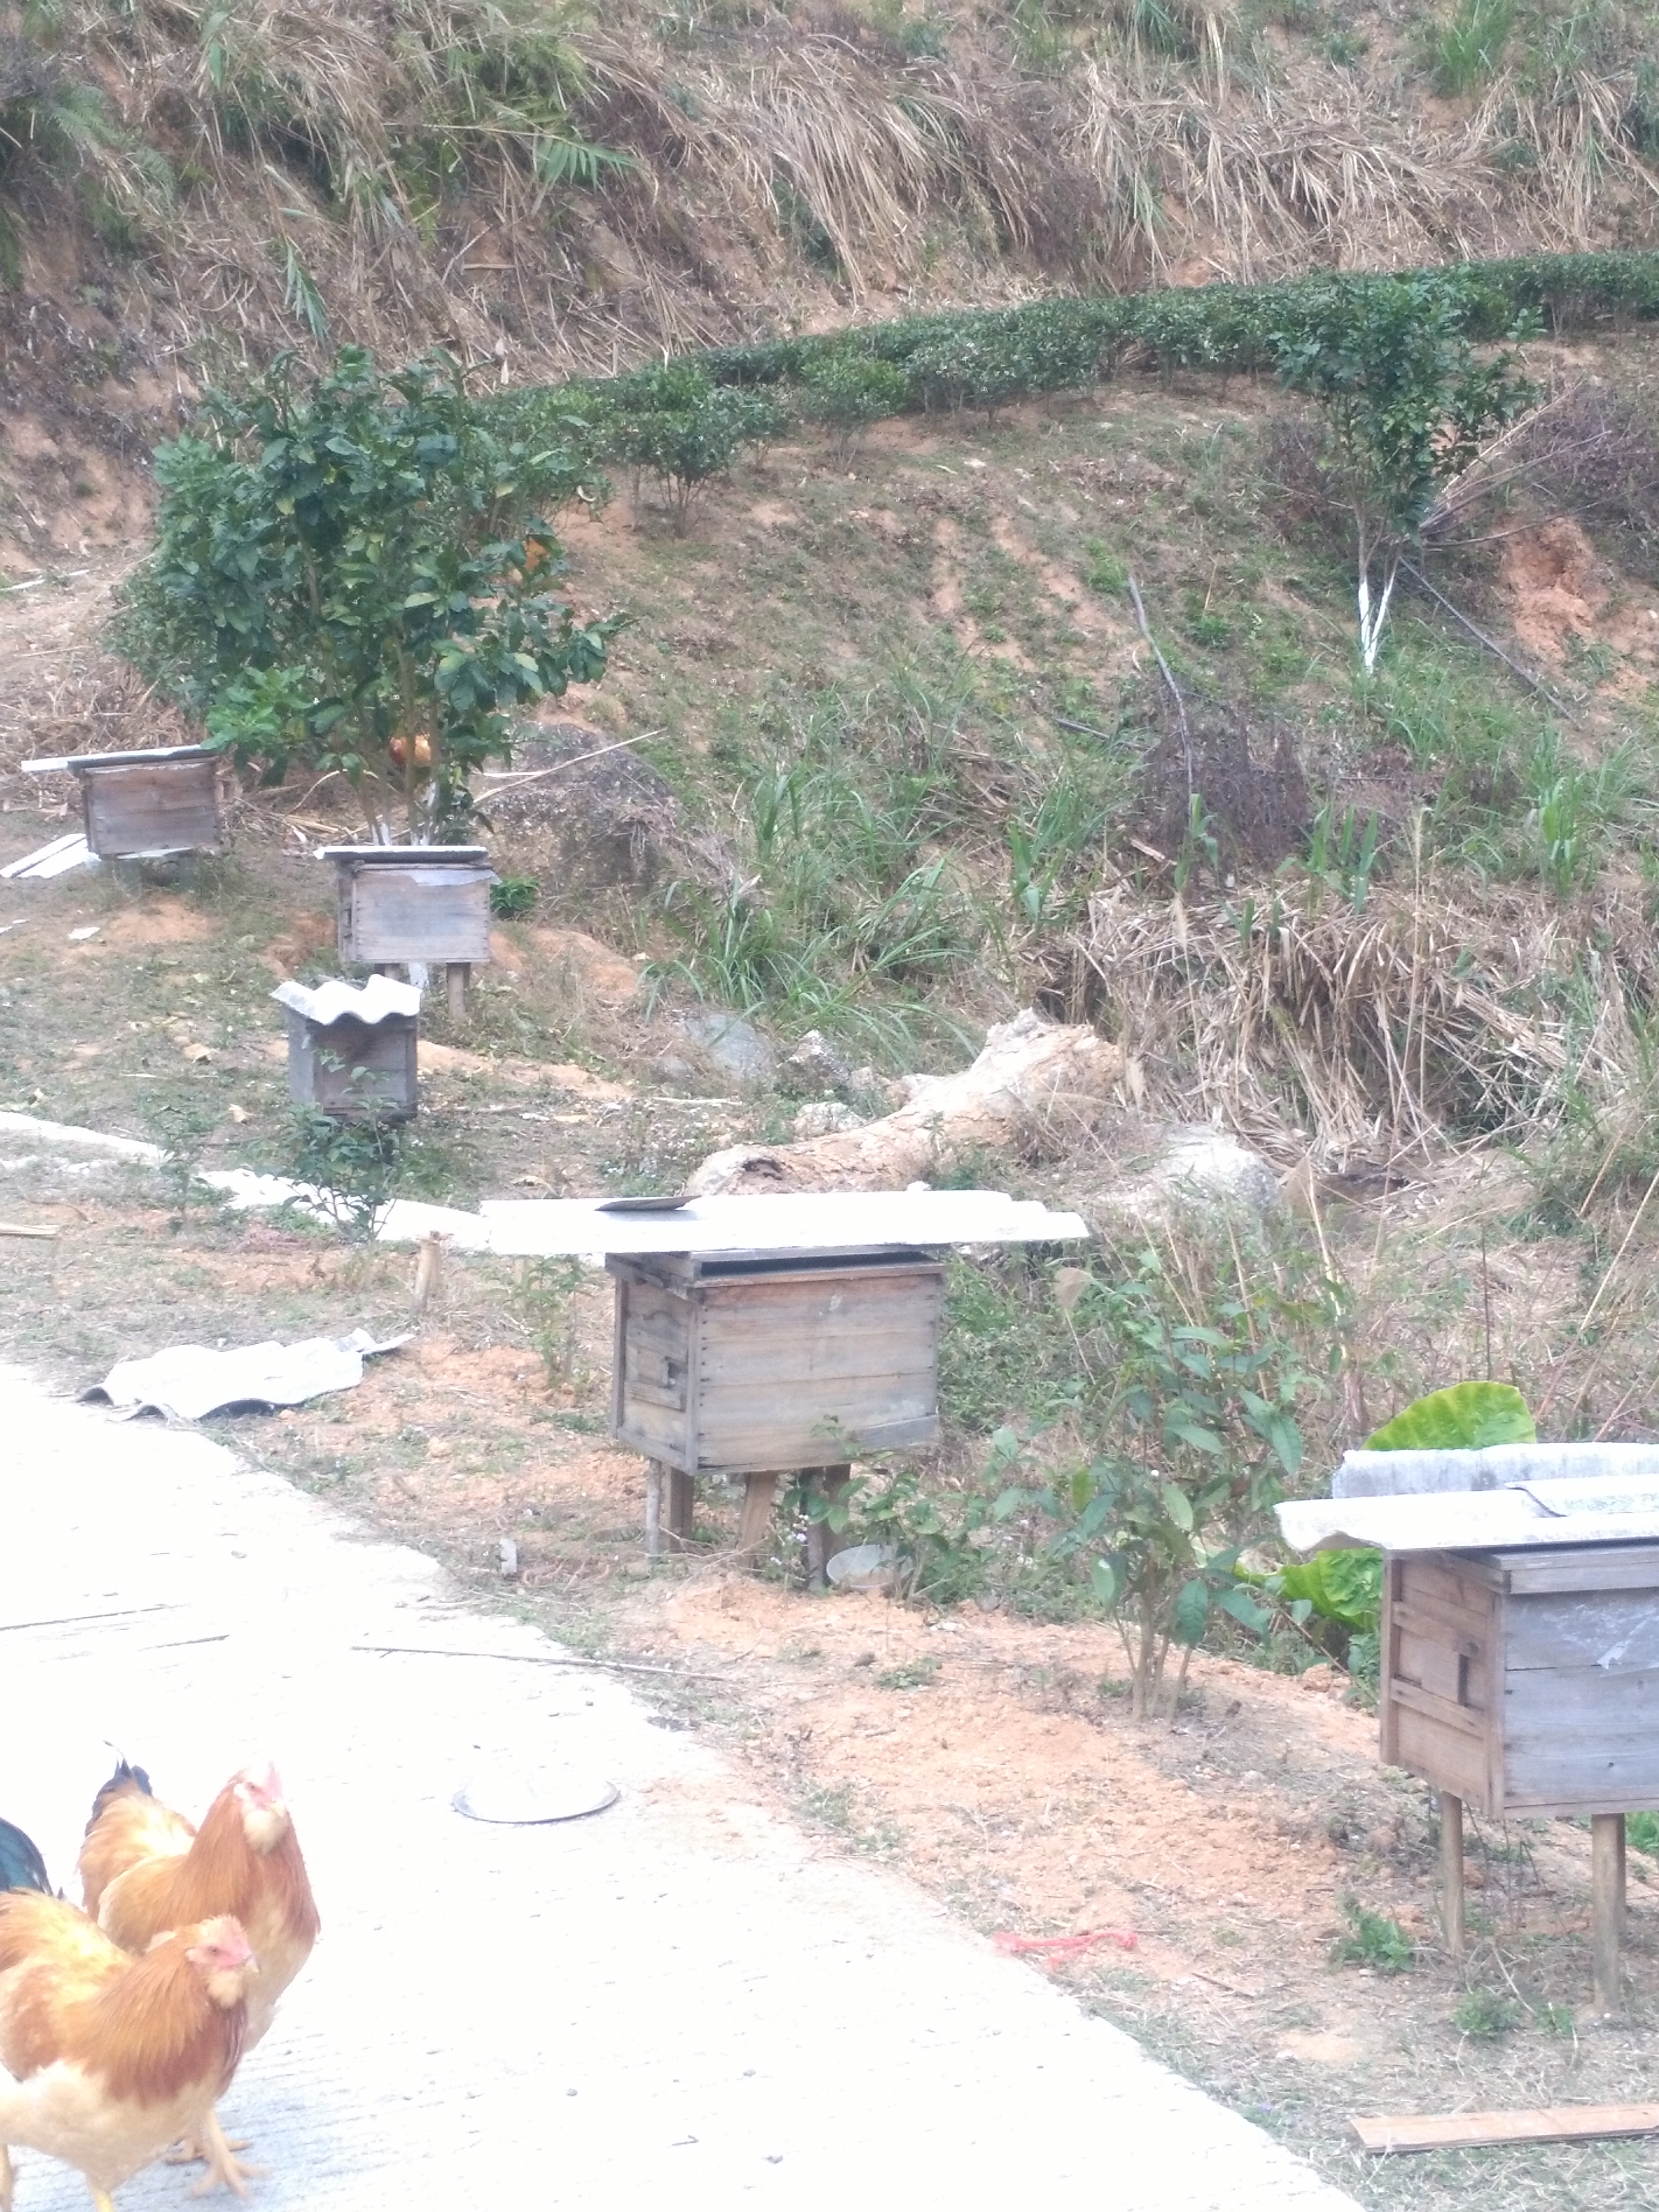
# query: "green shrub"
1374, 1941
351, 575
514, 896
845, 392
677, 424
1486, 2014
1185, 1406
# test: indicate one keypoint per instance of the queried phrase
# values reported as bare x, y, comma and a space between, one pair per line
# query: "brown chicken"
144, 1869
113, 2057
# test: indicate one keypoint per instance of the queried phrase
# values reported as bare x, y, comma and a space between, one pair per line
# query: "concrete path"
680, 2002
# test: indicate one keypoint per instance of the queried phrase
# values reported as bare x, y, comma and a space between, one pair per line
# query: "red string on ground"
1064, 1946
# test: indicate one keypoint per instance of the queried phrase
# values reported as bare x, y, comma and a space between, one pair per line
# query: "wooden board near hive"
742, 1366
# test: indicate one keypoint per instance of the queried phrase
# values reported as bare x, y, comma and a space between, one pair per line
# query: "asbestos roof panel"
377, 1000
1591, 1509
1396, 1474
773, 1225
403, 856
144, 759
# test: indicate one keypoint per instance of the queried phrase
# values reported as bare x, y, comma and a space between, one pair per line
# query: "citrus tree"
354, 576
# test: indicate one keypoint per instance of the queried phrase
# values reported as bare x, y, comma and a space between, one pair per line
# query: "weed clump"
1373, 1939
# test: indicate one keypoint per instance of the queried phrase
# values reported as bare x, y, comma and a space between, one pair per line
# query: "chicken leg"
213, 2149
5, 2179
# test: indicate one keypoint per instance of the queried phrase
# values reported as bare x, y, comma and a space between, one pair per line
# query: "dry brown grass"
293, 170
1306, 1025
1566, 149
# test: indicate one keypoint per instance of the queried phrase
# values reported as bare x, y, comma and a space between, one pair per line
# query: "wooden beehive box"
354, 1070
1526, 1682
144, 806
399, 903
735, 1364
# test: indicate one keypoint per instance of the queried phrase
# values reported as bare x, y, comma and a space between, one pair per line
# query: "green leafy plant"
847, 393
1642, 1832
1193, 1427
1406, 403
512, 896
1467, 1417
1486, 2014
1345, 1587
932, 1542
353, 1167
1373, 1939
180, 1123
351, 577
908, 1674
677, 424
545, 1300
1343, 853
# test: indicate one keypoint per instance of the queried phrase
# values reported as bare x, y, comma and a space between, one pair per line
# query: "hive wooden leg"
760, 1494
1451, 1872
1606, 1905
681, 1494
653, 1509
823, 1542
456, 976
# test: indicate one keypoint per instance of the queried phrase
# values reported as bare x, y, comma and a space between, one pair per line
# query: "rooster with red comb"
145, 1870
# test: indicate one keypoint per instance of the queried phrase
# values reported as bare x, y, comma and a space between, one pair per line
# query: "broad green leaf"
1467, 1417
1179, 1507
1177, 1423
1345, 1586
1108, 1578
1191, 1614
1243, 1607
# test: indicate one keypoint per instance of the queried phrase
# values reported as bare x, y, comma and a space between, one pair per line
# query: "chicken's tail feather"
21, 1866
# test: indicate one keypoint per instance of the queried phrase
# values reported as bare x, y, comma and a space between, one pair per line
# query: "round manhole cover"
531, 1801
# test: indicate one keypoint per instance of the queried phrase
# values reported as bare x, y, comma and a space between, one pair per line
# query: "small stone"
734, 1045
824, 1117
815, 1065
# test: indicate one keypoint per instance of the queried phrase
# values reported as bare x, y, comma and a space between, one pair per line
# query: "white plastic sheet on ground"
56, 859
188, 1381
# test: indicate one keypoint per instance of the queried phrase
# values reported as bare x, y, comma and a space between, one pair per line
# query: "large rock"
1036, 1084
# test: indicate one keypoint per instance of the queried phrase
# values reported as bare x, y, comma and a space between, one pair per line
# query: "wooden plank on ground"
1410, 2131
